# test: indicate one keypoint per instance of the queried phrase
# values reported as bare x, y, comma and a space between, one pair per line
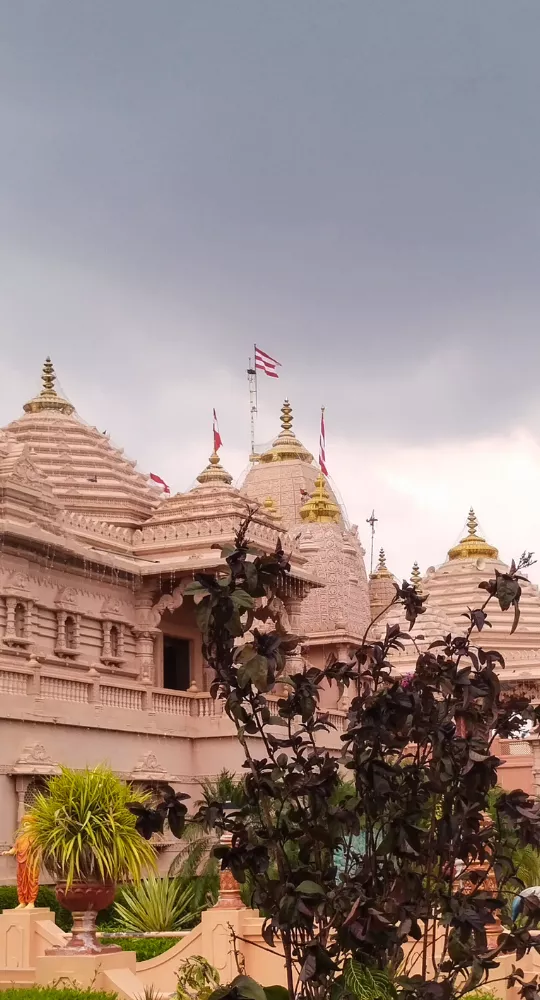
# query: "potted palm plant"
85, 834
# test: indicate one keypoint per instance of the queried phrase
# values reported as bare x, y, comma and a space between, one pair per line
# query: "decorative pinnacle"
48, 398
286, 416
416, 577
48, 376
214, 472
473, 546
382, 569
320, 507
472, 522
286, 446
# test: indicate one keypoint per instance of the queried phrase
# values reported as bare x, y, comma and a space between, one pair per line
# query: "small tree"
417, 753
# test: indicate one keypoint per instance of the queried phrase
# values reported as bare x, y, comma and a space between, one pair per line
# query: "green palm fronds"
156, 904
82, 828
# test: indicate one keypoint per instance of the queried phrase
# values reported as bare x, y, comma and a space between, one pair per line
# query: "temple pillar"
144, 652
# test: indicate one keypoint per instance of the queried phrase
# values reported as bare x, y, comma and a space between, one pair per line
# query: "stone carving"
35, 760
17, 585
66, 599
111, 608
168, 602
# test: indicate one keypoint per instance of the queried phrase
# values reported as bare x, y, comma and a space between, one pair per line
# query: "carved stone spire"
214, 473
320, 508
473, 546
48, 398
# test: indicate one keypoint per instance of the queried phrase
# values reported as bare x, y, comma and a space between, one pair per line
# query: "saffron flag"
160, 482
217, 436
265, 363
322, 446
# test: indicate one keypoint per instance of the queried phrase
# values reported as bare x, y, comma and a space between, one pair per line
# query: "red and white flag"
322, 446
160, 482
265, 363
217, 436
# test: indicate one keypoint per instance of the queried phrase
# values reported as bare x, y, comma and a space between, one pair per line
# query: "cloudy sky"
352, 184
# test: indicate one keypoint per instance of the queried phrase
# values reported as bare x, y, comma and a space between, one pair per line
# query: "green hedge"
50, 993
145, 947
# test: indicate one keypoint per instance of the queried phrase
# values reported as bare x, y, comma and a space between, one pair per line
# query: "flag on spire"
160, 482
264, 363
217, 436
322, 446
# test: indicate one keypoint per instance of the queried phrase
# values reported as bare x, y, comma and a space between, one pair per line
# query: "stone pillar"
21, 786
145, 638
11, 603
35, 680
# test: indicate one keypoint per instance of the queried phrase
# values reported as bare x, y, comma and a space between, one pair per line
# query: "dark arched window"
69, 632
115, 641
20, 620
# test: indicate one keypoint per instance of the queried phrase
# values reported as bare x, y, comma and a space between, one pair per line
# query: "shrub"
145, 948
156, 904
83, 828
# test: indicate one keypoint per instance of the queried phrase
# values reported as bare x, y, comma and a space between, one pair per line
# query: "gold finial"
270, 508
472, 522
214, 472
286, 416
473, 546
320, 507
48, 398
286, 446
382, 569
416, 577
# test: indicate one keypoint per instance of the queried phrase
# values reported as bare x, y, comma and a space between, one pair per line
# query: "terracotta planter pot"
84, 900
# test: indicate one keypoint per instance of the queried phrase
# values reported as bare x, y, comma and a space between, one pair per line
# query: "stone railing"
515, 748
92, 689
105, 693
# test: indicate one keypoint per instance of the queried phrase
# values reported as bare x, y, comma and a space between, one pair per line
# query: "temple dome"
286, 473
453, 586
87, 473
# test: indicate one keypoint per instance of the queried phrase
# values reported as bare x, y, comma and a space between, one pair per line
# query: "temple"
100, 655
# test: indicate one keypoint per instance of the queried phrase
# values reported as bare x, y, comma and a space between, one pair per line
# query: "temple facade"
100, 655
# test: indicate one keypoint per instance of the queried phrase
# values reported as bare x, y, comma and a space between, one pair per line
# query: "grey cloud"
352, 184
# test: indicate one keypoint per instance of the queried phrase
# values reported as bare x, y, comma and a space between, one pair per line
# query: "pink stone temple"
100, 655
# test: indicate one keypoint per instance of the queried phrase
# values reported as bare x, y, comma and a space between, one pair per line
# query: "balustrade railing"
34, 679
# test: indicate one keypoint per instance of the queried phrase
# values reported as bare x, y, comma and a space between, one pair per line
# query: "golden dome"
214, 472
382, 572
320, 508
473, 546
286, 446
48, 398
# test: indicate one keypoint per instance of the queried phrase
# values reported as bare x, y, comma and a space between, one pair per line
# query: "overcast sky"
353, 184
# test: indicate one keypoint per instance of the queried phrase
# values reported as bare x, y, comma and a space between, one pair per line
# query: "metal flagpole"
372, 521
252, 382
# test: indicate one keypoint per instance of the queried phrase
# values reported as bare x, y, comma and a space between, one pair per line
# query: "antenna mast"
372, 520
252, 382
